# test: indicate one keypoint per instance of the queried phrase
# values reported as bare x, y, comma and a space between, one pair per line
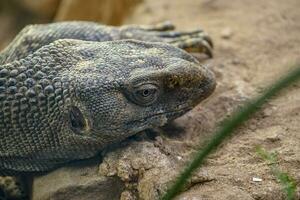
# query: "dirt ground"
255, 43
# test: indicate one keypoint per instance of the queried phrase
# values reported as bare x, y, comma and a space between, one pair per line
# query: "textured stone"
139, 166
77, 181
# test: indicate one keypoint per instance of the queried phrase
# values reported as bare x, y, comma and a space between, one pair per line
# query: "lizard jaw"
156, 120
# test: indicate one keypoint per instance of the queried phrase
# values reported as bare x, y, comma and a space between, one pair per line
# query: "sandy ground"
255, 43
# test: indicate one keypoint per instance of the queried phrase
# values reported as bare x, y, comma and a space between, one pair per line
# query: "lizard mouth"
156, 120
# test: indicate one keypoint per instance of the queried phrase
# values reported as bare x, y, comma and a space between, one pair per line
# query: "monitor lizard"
69, 89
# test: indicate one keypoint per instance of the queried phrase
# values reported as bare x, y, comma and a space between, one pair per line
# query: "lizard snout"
207, 84
194, 83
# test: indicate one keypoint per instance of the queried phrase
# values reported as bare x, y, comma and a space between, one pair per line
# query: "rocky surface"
77, 181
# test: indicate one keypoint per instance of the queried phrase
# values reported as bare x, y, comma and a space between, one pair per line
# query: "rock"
142, 167
77, 181
270, 134
139, 167
127, 195
226, 33
256, 179
9, 188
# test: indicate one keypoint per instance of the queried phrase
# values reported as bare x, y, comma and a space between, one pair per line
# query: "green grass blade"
288, 183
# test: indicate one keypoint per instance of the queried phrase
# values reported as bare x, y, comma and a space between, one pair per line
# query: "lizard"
69, 89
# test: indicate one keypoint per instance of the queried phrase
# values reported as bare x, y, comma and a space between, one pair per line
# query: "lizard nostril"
208, 85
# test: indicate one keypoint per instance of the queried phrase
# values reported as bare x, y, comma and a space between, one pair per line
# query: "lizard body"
67, 90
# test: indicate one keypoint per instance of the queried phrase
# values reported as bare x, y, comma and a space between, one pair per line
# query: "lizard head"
124, 87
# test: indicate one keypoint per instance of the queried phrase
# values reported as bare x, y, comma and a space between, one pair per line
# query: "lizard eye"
145, 94
77, 120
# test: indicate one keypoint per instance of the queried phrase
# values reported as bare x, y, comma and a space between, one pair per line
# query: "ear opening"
78, 123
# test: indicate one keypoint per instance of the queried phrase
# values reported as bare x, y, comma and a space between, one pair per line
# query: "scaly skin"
33, 37
63, 98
